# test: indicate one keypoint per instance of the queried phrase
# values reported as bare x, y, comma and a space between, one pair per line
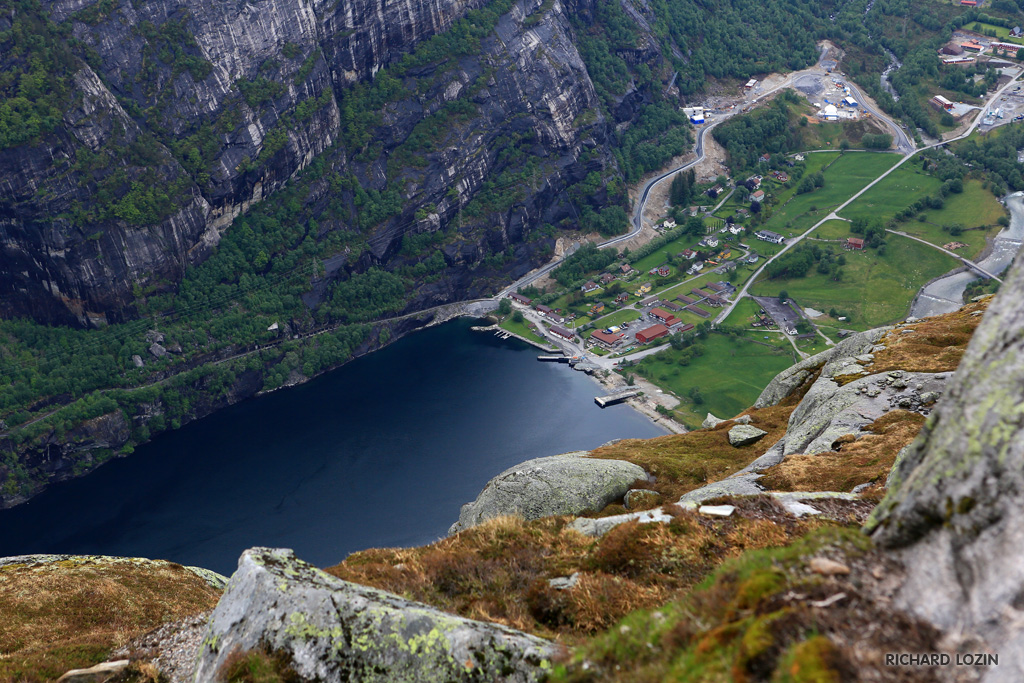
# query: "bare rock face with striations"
332, 630
955, 498
189, 114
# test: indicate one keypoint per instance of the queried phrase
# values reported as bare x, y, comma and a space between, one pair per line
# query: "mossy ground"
684, 462
499, 571
66, 615
935, 344
868, 459
760, 617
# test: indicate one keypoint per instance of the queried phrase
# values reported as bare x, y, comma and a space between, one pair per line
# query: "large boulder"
745, 435
955, 499
333, 630
566, 484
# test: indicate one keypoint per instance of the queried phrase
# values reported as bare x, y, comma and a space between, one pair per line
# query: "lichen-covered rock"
211, 577
744, 435
641, 499
711, 421
566, 484
789, 380
830, 410
333, 630
955, 499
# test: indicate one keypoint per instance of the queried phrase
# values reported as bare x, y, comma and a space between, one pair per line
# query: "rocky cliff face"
955, 498
186, 114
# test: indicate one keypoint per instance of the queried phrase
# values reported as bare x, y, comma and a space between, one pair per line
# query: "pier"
554, 359
612, 399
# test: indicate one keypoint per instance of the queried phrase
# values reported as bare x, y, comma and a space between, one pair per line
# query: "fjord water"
381, 452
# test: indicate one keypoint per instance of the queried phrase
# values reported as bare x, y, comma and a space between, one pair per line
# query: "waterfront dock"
612, 399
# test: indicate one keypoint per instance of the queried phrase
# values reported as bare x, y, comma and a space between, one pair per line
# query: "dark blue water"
381, 452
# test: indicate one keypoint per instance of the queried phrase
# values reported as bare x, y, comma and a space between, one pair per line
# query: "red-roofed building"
686, 328
651, 333
519, 298
854, 243
661, 314
606, 339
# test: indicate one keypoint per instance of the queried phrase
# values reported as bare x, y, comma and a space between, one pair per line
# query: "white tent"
830, 113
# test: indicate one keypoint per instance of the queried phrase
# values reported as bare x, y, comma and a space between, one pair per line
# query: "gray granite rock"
745, 435
566, 484
333, 630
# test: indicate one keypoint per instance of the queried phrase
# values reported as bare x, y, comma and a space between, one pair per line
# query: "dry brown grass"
867, 459
936, 344
66, 615
499, 571
684, 462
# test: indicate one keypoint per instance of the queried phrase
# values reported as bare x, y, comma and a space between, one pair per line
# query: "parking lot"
783, 314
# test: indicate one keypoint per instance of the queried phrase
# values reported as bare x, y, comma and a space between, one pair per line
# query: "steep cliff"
178, 116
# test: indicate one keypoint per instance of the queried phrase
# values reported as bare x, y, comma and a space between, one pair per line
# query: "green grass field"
522, 330
833, 230
730, 375
976, 209
624, 315
843, 178
1002, 33
902, 187
875, 289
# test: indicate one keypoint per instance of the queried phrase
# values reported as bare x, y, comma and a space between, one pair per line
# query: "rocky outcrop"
566, 484
212, 578
332, 630
842, 354
955, 498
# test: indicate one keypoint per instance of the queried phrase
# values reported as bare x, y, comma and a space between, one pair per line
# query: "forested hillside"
205, 198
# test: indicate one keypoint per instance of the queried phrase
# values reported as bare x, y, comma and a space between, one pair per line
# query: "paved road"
966, 262
833, 216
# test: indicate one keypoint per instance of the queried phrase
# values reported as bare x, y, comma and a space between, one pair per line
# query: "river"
945, 294
381, 452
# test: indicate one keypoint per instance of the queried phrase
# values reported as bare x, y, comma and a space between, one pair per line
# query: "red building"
605, 338
651, 333
854, 243
562, 332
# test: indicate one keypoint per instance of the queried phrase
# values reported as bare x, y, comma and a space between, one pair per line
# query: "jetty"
554, 359
612, 399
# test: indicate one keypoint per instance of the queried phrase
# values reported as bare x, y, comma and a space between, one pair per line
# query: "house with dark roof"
699, 311
562, 332
606, 278
685, 299
590, 286
520, 299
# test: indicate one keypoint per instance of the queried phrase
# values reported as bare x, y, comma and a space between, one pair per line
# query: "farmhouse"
769, 236
854, 243
651, 333
562, 332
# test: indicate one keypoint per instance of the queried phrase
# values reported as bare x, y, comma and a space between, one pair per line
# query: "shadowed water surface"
381, 452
